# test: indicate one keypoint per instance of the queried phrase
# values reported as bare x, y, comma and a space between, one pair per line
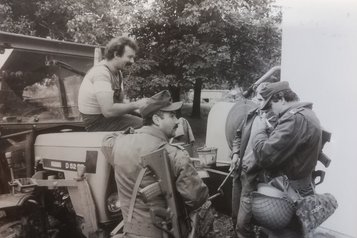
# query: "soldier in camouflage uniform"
160, 123
245, 176
293, 147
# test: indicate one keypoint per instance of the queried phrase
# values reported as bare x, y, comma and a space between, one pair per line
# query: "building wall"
319, 59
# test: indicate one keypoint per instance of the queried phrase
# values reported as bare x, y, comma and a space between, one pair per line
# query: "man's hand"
260, 123
234, 162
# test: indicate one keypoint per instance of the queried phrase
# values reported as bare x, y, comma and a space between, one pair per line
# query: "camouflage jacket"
293, 146
127, 152
243, 137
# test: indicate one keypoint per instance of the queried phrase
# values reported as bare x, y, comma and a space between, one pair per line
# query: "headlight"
113, 203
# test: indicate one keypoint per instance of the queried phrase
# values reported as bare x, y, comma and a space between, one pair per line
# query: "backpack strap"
296, 110
135, 192
136, 187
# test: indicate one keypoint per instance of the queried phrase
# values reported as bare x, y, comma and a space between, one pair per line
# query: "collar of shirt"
296, 105
151, 130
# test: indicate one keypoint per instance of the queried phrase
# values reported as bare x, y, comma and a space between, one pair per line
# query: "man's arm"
188, 183
236, 143
107, 146
104, 94
272, 150
111, 109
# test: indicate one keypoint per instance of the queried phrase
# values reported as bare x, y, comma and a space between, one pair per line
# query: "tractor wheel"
11, 229
27, 220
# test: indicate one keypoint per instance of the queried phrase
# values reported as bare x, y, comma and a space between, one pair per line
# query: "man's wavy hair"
117, 45
288, 95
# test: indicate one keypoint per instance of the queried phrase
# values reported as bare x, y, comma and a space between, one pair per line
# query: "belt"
142, 229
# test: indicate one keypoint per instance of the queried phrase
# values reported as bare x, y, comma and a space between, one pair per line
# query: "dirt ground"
222, 225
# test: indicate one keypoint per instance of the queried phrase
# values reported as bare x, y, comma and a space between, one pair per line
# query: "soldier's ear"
156, 119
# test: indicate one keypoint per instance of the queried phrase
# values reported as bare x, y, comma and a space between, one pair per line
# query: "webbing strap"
135, 192
117, 228
270, 191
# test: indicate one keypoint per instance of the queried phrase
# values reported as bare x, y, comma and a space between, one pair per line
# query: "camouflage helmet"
271, 207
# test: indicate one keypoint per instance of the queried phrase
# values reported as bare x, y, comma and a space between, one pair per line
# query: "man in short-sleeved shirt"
101, 93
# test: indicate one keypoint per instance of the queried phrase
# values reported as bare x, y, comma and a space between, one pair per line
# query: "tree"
83, 21
208, 43
184, 43
13, 22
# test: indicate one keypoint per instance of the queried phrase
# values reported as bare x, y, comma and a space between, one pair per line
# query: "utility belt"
142, 229
303, 186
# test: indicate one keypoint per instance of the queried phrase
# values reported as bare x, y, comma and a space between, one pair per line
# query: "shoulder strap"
296, 110
136, 188
135, 192
270, 191
116, 84
178, 146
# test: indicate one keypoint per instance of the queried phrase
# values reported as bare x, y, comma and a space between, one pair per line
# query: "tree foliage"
211, 43
184, 44
83, 21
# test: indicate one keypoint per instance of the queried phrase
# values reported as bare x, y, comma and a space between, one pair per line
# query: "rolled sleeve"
107, 146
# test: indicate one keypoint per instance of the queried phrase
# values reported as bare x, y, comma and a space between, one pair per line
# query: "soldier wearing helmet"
293, 146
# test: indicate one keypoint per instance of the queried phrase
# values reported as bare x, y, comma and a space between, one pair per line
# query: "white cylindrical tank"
222, 124
216, 130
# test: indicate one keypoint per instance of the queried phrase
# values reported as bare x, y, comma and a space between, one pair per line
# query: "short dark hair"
288, 95
117, 45
147, 121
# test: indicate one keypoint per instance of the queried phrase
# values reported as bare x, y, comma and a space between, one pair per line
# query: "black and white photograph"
178, 118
